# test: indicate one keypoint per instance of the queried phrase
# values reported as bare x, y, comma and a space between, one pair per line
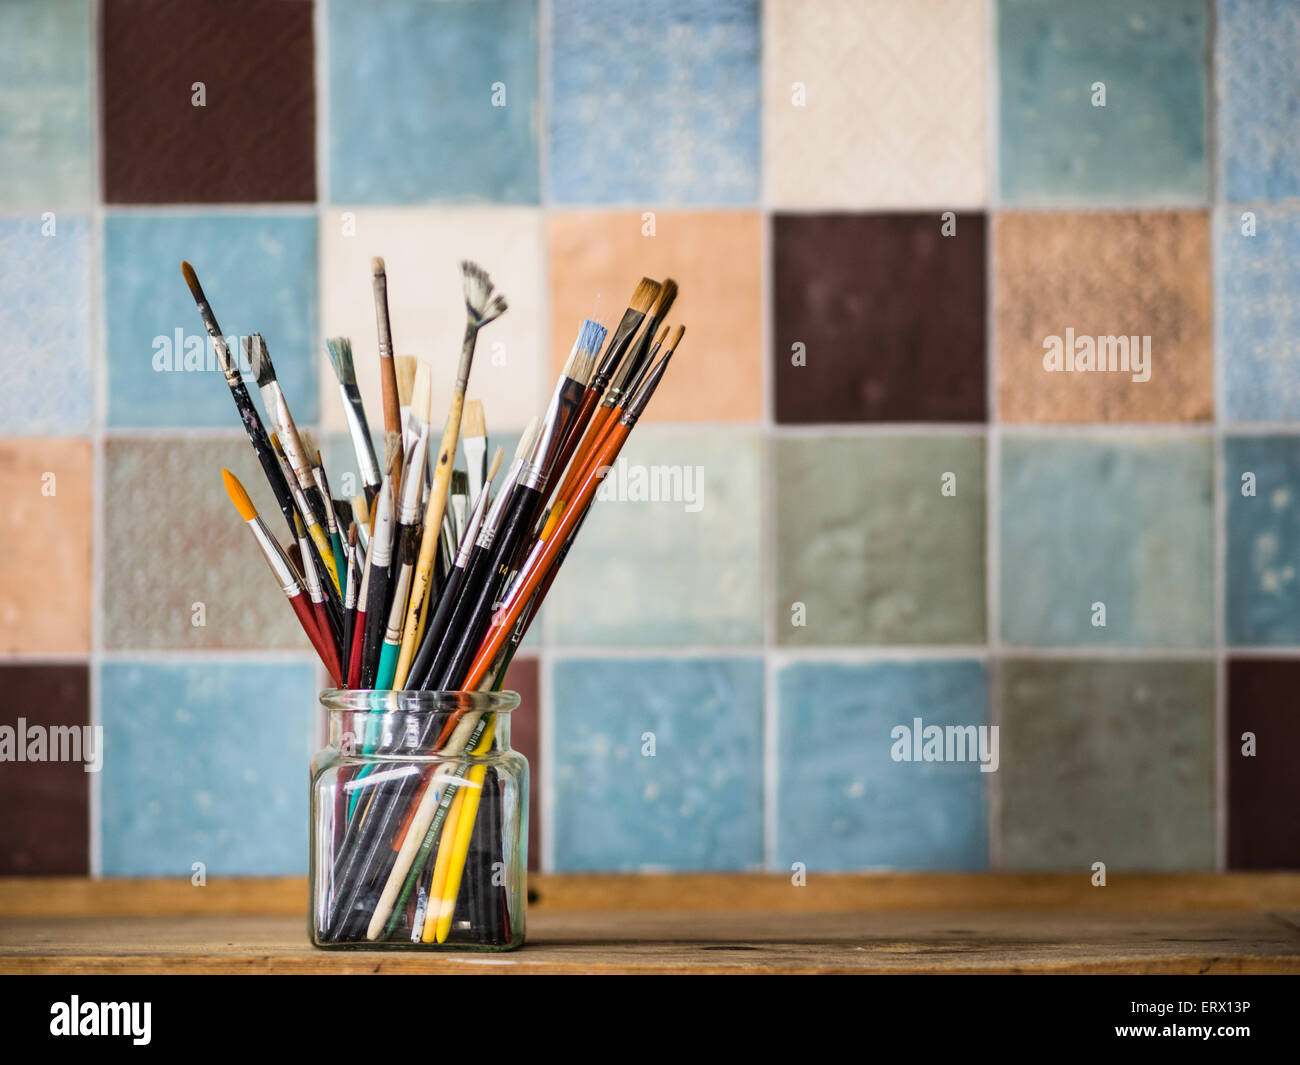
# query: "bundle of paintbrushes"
427, 581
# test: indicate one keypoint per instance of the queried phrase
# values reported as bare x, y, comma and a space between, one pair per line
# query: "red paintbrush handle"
302, 606
354, 655
329, 652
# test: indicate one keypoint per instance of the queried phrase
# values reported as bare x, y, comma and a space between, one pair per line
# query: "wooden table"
871, 923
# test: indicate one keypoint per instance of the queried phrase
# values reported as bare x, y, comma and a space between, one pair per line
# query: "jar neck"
416, 733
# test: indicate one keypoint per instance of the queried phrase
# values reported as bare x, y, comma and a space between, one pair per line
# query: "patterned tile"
433, 101
845, 801
205, 763
596, 260
1107, 762
194, 549
45, 575
878, 318
45, 104
45, 320
669, 556
208, 101
654, 102
1258, 91
1256, 273
1261, 483
696, 802
875, 103
259, 274
48, 830
876, 543
421, 248
1095, 277
1114, 530
1263, 788
1146, 144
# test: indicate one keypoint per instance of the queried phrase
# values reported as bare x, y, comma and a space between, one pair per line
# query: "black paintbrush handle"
433, 627
475, 573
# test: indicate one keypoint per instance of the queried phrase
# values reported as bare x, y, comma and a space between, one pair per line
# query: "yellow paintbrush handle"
326, 550
442, 864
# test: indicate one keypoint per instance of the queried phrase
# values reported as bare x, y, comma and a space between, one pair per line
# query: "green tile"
869, 544
1107, 762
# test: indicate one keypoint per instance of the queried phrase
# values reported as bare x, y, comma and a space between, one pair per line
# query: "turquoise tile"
259, 274
1147, 144
45, 104
1257, 274
845, 801
1258, 91
1121, 521
1109, 762
205, 762
1261, 484
655, 102
45, 322
433, 101
879, 540
695, 802
683, 570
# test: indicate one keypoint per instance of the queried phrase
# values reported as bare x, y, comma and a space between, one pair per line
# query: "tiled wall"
901, 513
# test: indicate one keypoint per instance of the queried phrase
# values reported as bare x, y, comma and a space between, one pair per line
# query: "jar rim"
365, 700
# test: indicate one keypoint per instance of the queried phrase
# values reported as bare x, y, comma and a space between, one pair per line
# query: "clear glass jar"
414, 848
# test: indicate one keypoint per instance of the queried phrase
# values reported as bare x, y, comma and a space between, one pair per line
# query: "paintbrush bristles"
192, 279
406, 366
238, 496
496, 464
392, 451
474, 422
480, 301
339, 350
526, 441
259, 360
422, 393
308, 442
376, 267
647, 291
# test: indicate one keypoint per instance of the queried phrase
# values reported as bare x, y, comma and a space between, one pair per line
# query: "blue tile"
679, 571
655, 102
1257, 274
259, 274
844, 802
45, 322
206, 763
45, 104
697, 803
412, 112
1261, 483
1120, 521
1147, 145
1258, 89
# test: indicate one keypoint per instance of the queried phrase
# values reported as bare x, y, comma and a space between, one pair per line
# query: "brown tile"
1263, 789
716, 259
1144, 274
525, 737
45, 581
890, 313
46, 829
254, 140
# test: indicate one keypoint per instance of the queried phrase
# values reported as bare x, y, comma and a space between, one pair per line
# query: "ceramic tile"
1060, 144
259, 274
875, 103
45, 574
596, 260
1263, 788
852, 795
433, 101
654, 102
878, 318
205, 762
1107, 762
658, 764
1080, 281
870, 549
1115, 530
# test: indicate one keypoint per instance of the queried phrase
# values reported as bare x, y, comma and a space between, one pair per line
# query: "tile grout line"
99, 354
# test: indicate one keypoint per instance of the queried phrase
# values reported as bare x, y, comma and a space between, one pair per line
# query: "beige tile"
421, 248
894, 103
714, 257
1104, 274
45, 580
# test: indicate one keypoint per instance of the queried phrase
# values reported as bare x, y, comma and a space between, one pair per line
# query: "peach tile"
45, 581
715, 259
421, 247
1103, 274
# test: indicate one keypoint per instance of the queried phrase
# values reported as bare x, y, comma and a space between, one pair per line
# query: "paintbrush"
408, 544
631, 368
314, 590
378, 561
284, 572
352, 591
339, 350
387, 370
460, 497
362, 512
319, 539
406, 367
475, 445
332, 528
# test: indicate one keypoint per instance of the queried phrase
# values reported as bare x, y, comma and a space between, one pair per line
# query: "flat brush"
284, 572
362, 511
461, 494
631, 368
475, 445
339, 350
406, 367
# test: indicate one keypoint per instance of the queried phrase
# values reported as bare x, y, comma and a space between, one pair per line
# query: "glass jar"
413, 847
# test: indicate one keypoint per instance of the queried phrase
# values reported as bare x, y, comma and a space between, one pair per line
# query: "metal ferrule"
413, 480
563, 408
275, 557
360, 441
331, 519
350, 599
637, 404
488, 531
314, 588
397, 615
382, 541
471, 529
